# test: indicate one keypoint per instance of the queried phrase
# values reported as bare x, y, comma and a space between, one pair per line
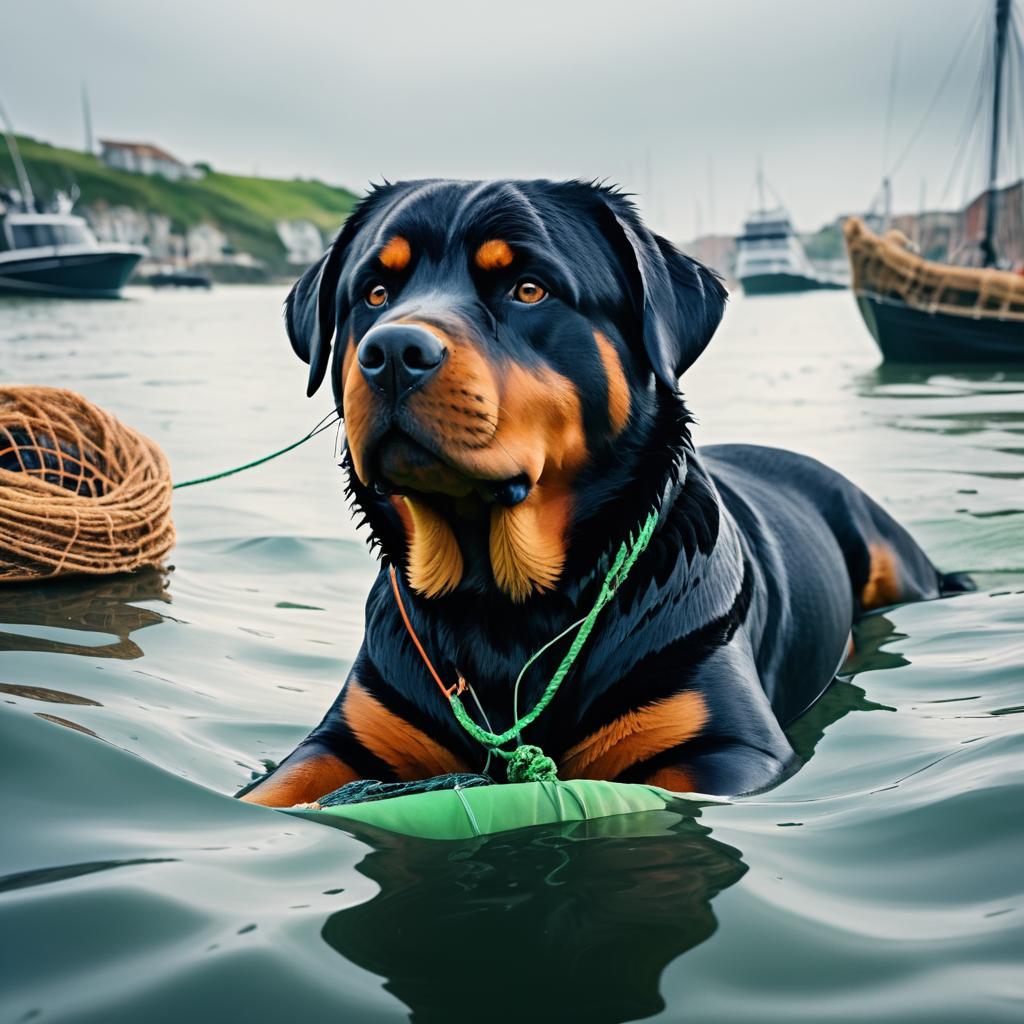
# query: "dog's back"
826, 553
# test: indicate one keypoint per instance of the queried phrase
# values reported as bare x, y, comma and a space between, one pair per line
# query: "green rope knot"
531, 764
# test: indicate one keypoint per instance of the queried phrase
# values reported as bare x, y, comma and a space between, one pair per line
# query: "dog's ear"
682, 300
315, 305
311, 313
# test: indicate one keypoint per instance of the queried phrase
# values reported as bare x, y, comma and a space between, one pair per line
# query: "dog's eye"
377, 295
529, 292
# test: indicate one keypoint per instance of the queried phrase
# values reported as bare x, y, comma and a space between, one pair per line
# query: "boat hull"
100, 274
178, 279
776, 284
906, 334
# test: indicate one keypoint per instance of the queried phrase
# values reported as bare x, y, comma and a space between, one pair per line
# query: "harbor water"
881, 883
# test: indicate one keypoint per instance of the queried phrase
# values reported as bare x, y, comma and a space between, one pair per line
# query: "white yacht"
55, 253
770, 257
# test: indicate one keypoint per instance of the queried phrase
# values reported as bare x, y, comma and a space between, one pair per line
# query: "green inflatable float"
466, 812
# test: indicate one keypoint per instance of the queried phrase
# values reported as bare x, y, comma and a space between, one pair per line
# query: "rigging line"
891, 100
780, 202
1009, 146
1015, 127
951, 67
971, 125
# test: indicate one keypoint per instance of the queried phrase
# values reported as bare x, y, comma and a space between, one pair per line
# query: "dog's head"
497, 347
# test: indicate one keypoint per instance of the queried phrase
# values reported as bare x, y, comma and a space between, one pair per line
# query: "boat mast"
760, 185
988, 250
87, 120
27, 196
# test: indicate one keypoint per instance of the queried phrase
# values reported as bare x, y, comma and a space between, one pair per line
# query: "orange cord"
446, 690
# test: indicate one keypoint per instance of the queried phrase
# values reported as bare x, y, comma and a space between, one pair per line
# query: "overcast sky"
674, 100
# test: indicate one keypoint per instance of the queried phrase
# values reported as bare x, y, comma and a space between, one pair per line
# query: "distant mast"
988, 249
28, 198
87, 120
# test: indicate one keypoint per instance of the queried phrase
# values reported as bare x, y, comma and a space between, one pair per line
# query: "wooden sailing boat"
920, 310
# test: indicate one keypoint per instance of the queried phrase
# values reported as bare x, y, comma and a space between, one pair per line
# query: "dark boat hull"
909, 335
84, 275
179, 279
776, 284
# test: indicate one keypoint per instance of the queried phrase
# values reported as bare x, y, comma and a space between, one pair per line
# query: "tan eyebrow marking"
494, 255
396, 254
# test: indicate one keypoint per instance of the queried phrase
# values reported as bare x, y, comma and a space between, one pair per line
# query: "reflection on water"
583, 917
933, 378
47, 695
590, 913
959, 400
46, 876
843, 696
107, 606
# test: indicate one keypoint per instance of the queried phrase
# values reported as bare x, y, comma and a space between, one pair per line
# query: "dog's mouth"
400, 464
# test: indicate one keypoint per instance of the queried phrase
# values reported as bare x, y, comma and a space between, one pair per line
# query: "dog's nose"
397, 357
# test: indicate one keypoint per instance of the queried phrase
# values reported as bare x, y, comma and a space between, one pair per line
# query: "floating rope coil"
80, 493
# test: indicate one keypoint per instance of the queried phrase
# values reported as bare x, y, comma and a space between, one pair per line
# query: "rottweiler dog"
506, 358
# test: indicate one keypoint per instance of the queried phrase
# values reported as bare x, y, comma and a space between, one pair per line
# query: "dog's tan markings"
398, 503
410, 751
396, 254
435, 561
494, 254
541, 428
636, 736
301, 780
674, 779
883, 585
618, 387
347, 359
359, 402
527, 543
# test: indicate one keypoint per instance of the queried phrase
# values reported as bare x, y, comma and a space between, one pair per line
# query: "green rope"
528, 763
318, 429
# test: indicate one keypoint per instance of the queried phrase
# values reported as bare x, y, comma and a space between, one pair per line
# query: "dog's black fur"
732, 622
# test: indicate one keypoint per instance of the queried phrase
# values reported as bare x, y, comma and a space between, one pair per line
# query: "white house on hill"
301, 240
145, 158
207, 244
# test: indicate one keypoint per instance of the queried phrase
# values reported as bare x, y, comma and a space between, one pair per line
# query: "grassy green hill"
244, 208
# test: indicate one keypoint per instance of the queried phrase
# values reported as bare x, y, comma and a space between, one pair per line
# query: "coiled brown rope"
79, 491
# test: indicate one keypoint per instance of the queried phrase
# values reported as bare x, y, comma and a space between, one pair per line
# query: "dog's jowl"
507, 356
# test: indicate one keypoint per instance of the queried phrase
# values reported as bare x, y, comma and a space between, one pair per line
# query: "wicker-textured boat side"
886, 267
80, 493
